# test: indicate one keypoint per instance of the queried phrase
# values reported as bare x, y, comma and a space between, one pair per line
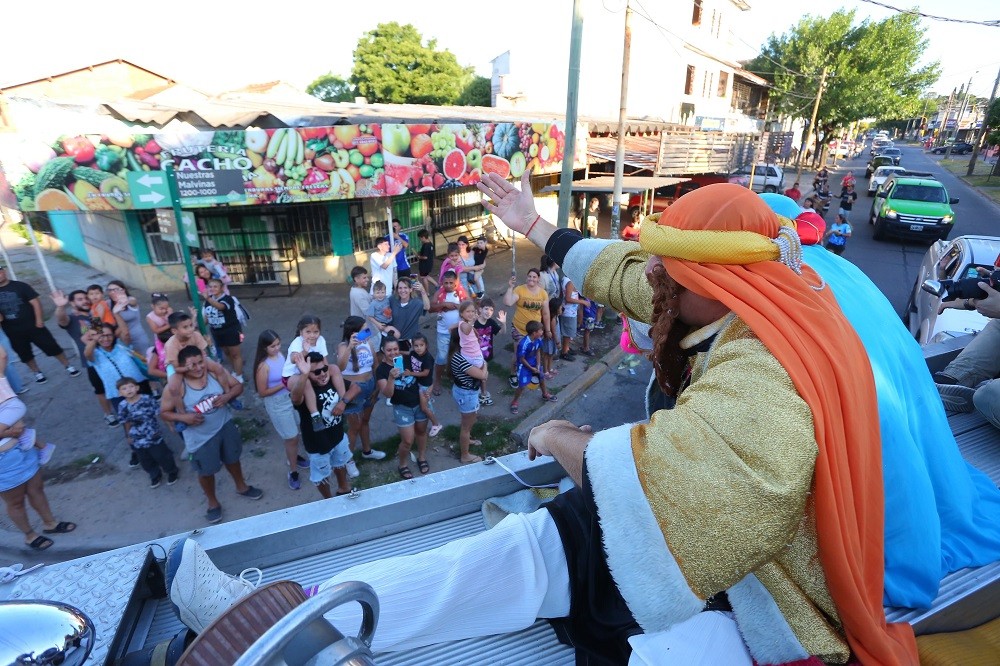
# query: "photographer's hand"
989, 306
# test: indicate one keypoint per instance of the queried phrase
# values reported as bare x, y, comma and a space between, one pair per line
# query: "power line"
946, 19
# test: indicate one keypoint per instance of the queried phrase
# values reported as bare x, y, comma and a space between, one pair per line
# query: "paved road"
892, 265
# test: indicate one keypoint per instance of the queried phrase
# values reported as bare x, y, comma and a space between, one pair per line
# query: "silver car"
880, 175
948, 260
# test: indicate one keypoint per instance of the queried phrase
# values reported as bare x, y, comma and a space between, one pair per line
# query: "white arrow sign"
149, 180
192, 238
153, 198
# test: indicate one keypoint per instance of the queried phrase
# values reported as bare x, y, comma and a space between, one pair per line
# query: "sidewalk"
89, 482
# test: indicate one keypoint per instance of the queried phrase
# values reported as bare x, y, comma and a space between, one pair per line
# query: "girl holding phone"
401, 388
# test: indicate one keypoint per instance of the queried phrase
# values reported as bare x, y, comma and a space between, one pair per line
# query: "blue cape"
941, 514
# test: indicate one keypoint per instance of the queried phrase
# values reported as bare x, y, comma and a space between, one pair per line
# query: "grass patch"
251, 428
83, 467
493, 432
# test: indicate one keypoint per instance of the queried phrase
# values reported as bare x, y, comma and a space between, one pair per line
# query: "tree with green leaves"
991, 125
332, 88
393, 64
478, 92
872, 69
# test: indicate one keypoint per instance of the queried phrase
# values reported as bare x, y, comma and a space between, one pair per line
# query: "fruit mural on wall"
287, 165
424, 158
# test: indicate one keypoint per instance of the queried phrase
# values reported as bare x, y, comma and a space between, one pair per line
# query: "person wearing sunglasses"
211, 440
327, 447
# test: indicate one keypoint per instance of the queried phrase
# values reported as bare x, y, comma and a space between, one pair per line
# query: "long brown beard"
668, 360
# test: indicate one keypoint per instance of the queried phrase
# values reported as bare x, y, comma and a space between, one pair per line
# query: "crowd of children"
130, 368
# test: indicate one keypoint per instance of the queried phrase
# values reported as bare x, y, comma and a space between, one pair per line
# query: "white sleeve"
290, 367
321, 346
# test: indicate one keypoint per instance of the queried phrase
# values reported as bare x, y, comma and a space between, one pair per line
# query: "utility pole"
812, 123
961, 112
616, 197
982, 128
572, 102
943, 134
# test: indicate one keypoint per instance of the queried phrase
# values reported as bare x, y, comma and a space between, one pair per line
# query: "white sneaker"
374, 454
199, 591
45, 454
352, 470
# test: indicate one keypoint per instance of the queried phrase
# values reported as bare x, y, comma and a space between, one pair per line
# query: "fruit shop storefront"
283, 206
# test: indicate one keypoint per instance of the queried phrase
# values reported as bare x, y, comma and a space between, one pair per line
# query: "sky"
218, 45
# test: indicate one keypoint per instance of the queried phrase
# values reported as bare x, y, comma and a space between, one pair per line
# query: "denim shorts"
442, 348
321, 465
467, 399
407, 416
17, 467
364, 399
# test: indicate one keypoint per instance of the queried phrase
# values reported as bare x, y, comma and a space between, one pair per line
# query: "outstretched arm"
516, 207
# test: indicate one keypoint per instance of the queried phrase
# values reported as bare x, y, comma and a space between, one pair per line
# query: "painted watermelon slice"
399, 178
497, 165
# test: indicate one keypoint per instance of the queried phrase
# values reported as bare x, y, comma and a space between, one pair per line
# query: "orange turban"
802, 325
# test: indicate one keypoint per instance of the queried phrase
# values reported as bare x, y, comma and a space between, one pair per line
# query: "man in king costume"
743, 525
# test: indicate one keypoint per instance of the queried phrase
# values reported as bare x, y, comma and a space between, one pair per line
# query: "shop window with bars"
161, 251
453, 208
308, 224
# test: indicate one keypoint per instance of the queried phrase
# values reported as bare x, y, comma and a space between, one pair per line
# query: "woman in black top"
401, 387
467, 379
220, 315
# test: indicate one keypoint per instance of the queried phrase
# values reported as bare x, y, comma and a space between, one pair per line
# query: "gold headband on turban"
730, 248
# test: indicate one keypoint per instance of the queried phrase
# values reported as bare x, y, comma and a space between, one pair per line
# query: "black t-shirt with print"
406, 392
222, 320
419, 363
15, 306
322, 441
485, 332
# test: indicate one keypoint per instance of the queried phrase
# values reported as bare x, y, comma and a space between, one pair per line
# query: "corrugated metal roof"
752, 78
236, 109
640, 151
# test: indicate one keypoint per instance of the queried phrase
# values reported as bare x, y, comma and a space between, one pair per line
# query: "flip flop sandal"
550, 398
474, 459
346, 492
475, 442
405, 472
62, 528
514, 409
436, 391
40, 543
424, 466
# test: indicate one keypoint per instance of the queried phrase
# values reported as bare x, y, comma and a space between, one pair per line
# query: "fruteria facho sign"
287, 165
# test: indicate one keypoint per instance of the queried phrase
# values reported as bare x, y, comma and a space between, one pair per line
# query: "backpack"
242, 315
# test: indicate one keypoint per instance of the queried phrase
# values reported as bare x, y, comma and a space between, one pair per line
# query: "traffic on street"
893, 264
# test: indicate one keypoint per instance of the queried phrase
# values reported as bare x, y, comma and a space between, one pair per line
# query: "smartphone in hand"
398, 363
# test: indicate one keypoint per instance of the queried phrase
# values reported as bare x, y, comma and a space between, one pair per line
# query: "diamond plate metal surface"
100, 586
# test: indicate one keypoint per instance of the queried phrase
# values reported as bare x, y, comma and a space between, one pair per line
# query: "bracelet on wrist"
532, 225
